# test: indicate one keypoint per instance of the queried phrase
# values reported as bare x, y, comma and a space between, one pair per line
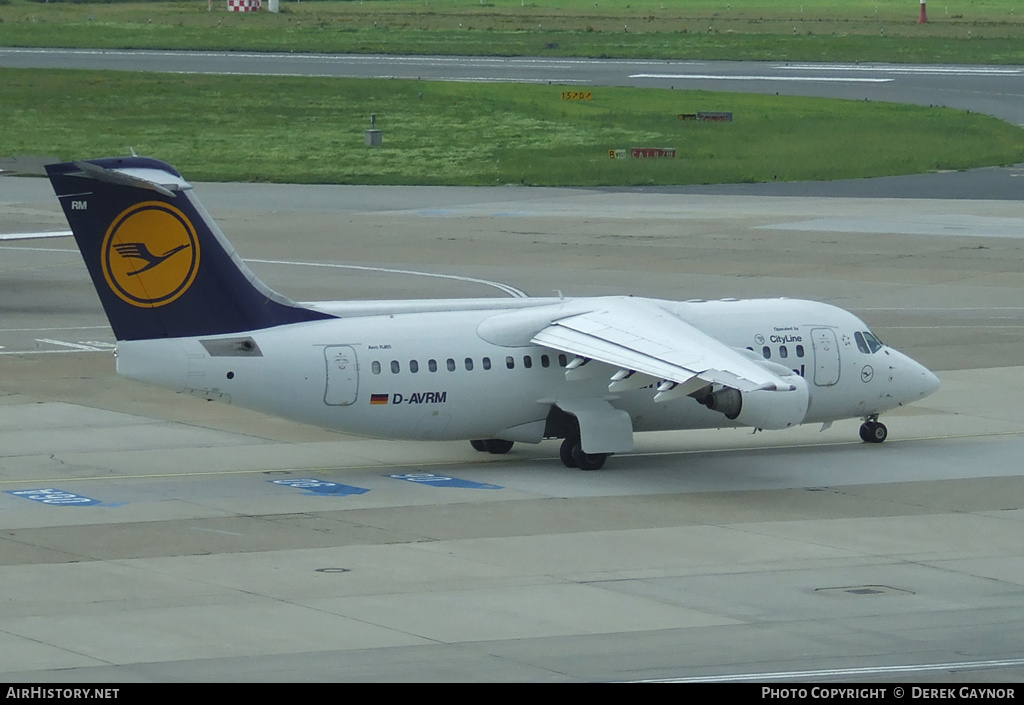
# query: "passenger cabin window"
486, 362
510, 362
783, 352
432, 365
469, 364
562, 360
375, 367
527, 361
395, 367
767, 352
414, 366
799, 350
545, 361
450, 364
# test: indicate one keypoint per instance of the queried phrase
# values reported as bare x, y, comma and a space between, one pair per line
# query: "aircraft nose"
919, 381
931, 382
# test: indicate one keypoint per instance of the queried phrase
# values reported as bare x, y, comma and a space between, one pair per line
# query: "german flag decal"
378, 398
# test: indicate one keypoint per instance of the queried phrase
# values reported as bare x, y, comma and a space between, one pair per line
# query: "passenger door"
342, 375
826, 357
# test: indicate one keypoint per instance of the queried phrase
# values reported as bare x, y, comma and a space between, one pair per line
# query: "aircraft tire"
873, 432
479, 445
565, 452
588, 461
497, 446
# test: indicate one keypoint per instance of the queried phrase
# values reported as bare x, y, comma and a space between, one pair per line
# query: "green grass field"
312, 131
959, 31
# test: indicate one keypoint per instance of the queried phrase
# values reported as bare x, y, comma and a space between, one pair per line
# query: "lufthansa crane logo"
150, 254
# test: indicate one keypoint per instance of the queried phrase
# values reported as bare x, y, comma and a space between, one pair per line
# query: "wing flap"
639, 336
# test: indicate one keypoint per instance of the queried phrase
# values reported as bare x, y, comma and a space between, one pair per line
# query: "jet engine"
761, 408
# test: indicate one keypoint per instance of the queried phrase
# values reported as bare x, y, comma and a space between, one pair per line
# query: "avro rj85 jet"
189, 315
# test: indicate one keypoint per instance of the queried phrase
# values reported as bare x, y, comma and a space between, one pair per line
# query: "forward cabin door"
342, 375
826, 357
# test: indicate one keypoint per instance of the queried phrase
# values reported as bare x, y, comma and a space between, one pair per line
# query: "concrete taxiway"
146, 536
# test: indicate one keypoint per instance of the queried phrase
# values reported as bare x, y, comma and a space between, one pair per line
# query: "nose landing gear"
871, 431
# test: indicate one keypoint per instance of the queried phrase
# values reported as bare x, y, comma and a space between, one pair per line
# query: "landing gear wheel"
565, 452
588, 461
478, 445
497, 446
873, 432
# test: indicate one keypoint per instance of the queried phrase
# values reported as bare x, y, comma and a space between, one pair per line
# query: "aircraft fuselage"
401, 370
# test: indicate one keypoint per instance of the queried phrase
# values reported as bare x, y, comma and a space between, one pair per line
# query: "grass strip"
964, 32
311, 130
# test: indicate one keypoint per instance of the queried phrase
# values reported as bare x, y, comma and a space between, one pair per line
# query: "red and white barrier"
243, 5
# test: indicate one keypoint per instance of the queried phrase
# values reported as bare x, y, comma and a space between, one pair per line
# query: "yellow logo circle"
150, 254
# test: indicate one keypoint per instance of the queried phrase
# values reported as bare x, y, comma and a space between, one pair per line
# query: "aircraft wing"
638, 336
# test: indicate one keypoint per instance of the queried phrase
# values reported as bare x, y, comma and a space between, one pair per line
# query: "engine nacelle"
761, 409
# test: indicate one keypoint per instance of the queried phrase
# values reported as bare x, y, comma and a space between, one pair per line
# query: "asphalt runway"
993, 90
147, 536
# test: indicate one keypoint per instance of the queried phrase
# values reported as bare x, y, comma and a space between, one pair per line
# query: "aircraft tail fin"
161, 266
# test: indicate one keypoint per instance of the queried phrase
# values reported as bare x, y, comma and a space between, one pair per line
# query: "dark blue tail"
161, 266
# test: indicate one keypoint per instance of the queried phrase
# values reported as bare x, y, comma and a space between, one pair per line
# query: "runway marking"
713, 77
944, 309
216, 531
73, 346
54, 497
50, 352
37, 249
65, 346
843, 672
322, 488
37, 330
33, 236
431, 480
979, 326
510, 290
385, 76
910, 70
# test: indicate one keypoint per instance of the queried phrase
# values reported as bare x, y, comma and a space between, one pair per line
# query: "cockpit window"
866, 342
873, 342
861, 343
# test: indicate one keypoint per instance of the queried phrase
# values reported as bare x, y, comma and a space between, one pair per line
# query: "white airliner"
190, 316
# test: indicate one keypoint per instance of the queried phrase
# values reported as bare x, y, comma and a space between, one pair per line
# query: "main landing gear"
495, 446
572, 455
571, 452
871, 431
